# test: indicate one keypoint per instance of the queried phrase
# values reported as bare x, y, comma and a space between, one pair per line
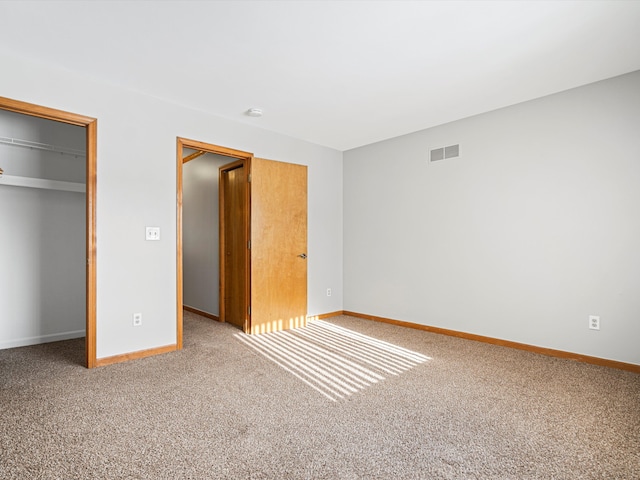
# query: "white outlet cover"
594, 322
152, 233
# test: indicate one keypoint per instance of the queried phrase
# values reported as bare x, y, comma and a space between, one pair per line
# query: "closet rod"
16, 142
32, 182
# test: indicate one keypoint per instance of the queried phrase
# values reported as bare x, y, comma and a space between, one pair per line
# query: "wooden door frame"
244, 163
183, 143
91, 127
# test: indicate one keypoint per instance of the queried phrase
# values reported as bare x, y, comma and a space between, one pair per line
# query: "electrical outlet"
594, 322
137, 319
152, 233
328, 292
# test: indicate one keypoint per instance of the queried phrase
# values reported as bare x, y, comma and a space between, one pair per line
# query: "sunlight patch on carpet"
335, 361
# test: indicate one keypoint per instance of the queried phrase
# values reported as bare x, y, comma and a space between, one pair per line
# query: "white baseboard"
54, 337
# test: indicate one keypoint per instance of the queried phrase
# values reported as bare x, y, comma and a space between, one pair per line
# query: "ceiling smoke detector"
254, 112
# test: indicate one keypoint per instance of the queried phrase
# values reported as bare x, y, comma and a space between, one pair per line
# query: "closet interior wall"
200, 232
42, 239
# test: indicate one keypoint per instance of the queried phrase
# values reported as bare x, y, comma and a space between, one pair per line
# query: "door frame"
91, 128
246, 226
238, 156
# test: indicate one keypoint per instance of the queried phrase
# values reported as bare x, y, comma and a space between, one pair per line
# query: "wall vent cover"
444, 152
437, 154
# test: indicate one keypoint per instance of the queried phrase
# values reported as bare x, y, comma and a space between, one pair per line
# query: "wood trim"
125, 357
325, 315
233, 165
193, 156
209, 148
44, 112
202, 313
91, 195
222, 310
91, 126
248, 165
179, 271
603, 362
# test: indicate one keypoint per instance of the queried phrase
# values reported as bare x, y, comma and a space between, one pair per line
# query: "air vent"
451, 151
444, 152
437, 154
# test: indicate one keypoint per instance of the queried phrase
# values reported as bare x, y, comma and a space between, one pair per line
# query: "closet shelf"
32, 182
16, 142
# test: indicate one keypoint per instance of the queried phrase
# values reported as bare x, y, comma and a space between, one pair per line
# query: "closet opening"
52, 185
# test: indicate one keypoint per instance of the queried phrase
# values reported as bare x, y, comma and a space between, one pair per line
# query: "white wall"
200, 232
137, 187
533, 228
42, 237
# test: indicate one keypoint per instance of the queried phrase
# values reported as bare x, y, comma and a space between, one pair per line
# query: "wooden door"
234, 248
278, 245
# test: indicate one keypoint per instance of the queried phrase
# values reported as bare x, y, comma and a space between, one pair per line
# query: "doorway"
199, 148
263, 241
90, 126
201, 232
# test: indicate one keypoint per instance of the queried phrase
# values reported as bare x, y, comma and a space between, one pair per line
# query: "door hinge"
249, 244
249, 178
249, 309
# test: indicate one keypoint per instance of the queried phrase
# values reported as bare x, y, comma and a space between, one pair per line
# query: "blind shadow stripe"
333, 396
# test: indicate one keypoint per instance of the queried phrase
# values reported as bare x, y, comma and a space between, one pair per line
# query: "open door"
263, 245
278, 246
263, 241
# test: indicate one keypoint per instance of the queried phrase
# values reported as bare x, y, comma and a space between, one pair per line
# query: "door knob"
303, 255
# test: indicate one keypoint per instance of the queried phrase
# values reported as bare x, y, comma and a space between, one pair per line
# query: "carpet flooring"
344, 398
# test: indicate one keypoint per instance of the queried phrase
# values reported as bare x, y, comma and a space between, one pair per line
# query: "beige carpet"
343, 399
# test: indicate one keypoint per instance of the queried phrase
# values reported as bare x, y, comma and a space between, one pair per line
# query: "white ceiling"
340, 74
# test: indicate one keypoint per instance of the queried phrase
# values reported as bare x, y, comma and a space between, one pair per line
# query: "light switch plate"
153, 233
